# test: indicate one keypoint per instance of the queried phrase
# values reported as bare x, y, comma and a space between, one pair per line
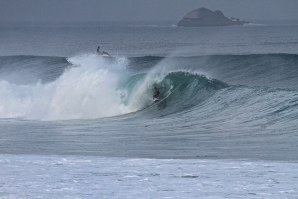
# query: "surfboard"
104, 54
155, 99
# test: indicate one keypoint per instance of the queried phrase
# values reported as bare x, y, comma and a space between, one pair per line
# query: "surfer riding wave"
156, 94
102, 53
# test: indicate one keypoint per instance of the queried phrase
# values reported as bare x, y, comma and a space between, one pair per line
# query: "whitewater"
77, 125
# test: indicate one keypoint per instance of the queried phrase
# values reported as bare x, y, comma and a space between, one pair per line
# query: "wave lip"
180, 90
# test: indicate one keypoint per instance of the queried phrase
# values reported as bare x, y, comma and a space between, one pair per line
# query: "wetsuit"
156, 94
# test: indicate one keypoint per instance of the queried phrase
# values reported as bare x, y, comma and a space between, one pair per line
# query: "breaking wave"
89, 87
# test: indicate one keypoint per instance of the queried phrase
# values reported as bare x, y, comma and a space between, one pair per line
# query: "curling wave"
88, 87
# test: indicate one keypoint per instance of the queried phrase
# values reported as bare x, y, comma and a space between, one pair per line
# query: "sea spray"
87, 89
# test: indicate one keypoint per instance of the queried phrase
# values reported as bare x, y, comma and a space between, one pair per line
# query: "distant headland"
206, 17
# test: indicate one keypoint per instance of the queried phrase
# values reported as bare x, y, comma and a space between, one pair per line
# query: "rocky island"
206, 17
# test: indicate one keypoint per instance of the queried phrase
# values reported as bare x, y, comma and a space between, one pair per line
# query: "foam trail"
89, 90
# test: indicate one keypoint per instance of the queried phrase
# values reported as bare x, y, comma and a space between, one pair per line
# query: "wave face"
30, 69
255, 89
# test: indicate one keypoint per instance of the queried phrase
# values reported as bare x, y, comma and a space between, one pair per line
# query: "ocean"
74, 124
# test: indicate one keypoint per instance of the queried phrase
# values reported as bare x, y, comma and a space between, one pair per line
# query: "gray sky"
140, 10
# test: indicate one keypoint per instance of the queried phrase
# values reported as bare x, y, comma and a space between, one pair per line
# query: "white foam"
88, 90
92, 177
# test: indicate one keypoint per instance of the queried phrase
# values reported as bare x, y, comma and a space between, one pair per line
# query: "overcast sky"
140, 10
